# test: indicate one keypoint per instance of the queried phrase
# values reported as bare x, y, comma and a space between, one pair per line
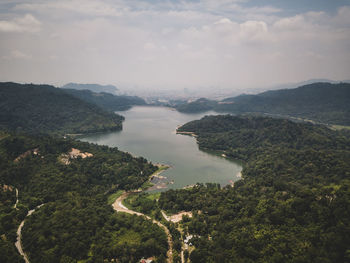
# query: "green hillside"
200, 105
76, 222
92, 87
321, 102
46, 109
291, 206
107, 101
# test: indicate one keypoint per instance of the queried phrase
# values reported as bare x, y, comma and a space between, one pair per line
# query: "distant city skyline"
174, 44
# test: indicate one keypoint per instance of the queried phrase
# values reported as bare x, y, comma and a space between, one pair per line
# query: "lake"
150, 132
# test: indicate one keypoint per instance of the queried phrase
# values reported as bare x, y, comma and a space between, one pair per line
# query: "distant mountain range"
46, 109
321, 102
105, 100
93, 87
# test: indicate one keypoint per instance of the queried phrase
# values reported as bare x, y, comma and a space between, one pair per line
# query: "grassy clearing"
144, 203
340, 127
129, 201
146, 185
127, 236
114, 196
153, 196
162, 167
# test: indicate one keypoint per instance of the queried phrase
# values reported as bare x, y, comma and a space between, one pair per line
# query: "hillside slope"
321, 102
105, 100
76, 220
292, 205
93, 87
46, 109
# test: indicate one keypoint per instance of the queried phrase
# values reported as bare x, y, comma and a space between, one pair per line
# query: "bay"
150, 132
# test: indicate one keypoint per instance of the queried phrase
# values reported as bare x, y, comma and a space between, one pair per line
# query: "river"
150, 132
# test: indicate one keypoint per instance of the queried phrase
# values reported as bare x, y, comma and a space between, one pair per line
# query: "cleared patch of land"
176, 217
73, 154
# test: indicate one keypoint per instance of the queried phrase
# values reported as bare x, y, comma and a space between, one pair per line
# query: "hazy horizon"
168, 45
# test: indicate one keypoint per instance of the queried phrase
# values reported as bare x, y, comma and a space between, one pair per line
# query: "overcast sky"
174, 44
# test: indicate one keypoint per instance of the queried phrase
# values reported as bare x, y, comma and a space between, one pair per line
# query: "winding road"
119, 207
18, 243
15, 206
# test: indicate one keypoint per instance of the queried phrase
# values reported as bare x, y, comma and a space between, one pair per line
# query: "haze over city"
226, 44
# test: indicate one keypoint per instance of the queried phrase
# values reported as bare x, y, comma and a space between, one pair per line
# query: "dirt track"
119, 207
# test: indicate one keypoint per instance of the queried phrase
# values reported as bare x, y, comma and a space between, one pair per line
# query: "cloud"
290, 23
253, 31
183, 43
27, 23
86, 7
149, 46
20, 55
343, 16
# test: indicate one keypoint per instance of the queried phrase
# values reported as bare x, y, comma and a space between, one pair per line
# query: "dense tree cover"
292, 205
321, 102
129, 238
107, 101
69, 226
200, 105
144, 203
44, 109
9, 221
93, 87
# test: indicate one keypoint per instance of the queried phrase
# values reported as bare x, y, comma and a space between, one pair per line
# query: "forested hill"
107, 101
321, 102
76, 187
293, 204
200, 105
46, 109
93, 87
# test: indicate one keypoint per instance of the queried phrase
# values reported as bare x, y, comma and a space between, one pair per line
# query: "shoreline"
185, 132
157, 174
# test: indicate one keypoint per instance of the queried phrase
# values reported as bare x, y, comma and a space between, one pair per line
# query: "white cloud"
149, 46
343, 16
86, 7
7, 26
27, 23
20, 55
290, 23
253, 31
204, 42
223, 21
183, 47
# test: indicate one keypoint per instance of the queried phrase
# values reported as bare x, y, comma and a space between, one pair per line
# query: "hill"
321, 102
46, 109
200, 105
292, 204
93, 87
76, 223
107, 101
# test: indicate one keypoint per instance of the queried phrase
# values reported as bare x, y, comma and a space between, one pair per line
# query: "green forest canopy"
321, 102
107, 101
293, 204
76, 222
45, 109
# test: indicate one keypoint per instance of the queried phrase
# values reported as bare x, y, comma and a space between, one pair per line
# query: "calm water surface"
150, 132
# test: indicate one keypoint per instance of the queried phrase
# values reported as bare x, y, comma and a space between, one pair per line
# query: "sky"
174, 44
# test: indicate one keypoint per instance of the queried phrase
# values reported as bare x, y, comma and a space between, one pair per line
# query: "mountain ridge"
93, 87
45, 109
321, 102
107, 100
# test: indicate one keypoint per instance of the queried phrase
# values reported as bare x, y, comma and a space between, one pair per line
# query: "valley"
168, 186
